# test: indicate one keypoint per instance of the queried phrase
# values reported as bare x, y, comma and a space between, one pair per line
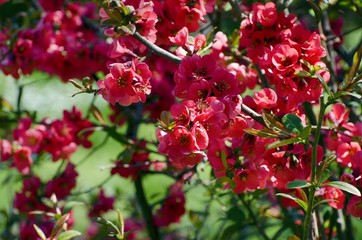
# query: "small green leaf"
120, 221
293, 123
223, 159
281, 143
39, 232
67, 235
324, 175
298, 184
301, 203
326, 88
304, 134
345, 187
106, 223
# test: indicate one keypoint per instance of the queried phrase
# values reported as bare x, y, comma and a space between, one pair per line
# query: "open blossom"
126, 83
23, 160
265, 98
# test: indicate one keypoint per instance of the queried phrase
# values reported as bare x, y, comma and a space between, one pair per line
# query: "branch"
156, 49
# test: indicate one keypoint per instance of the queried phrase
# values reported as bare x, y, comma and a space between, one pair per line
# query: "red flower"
354, 206
23, 160
5, 150
265, 98
334, 194
266, 14
284, 59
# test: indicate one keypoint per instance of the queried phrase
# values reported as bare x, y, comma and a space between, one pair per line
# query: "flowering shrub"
254, 110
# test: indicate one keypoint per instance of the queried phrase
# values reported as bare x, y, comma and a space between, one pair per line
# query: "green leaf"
67, 235
120, 221
106, 223
281, 143
324, 175
304, 134
345, 187
326, 88
293, 123
298, 184
39, 232
223, 159
301, 203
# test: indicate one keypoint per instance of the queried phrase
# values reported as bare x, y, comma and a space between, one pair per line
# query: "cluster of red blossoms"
59, 138
283, 49
62, 43
208, 122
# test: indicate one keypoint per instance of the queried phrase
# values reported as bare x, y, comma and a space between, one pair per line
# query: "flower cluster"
289, 55
62, 43
59, 138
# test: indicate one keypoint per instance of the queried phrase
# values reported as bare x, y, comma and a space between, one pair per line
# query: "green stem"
312, 190
146, 210
18, 101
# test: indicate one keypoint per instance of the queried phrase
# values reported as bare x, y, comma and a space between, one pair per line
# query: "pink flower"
346, 151
23, 160
5, 150
265, 98
266, 14
126, 83
334, 194
354, 206
284, 58
246, 179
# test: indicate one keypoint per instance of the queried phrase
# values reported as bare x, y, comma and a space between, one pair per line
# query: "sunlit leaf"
281, 143
39, 232
298, 184
293, 123
300, 202
304, 134
345, 187
67, 235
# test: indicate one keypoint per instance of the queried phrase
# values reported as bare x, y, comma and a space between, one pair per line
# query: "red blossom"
23, 160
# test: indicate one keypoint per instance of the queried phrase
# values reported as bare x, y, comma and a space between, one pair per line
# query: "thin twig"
156, 49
